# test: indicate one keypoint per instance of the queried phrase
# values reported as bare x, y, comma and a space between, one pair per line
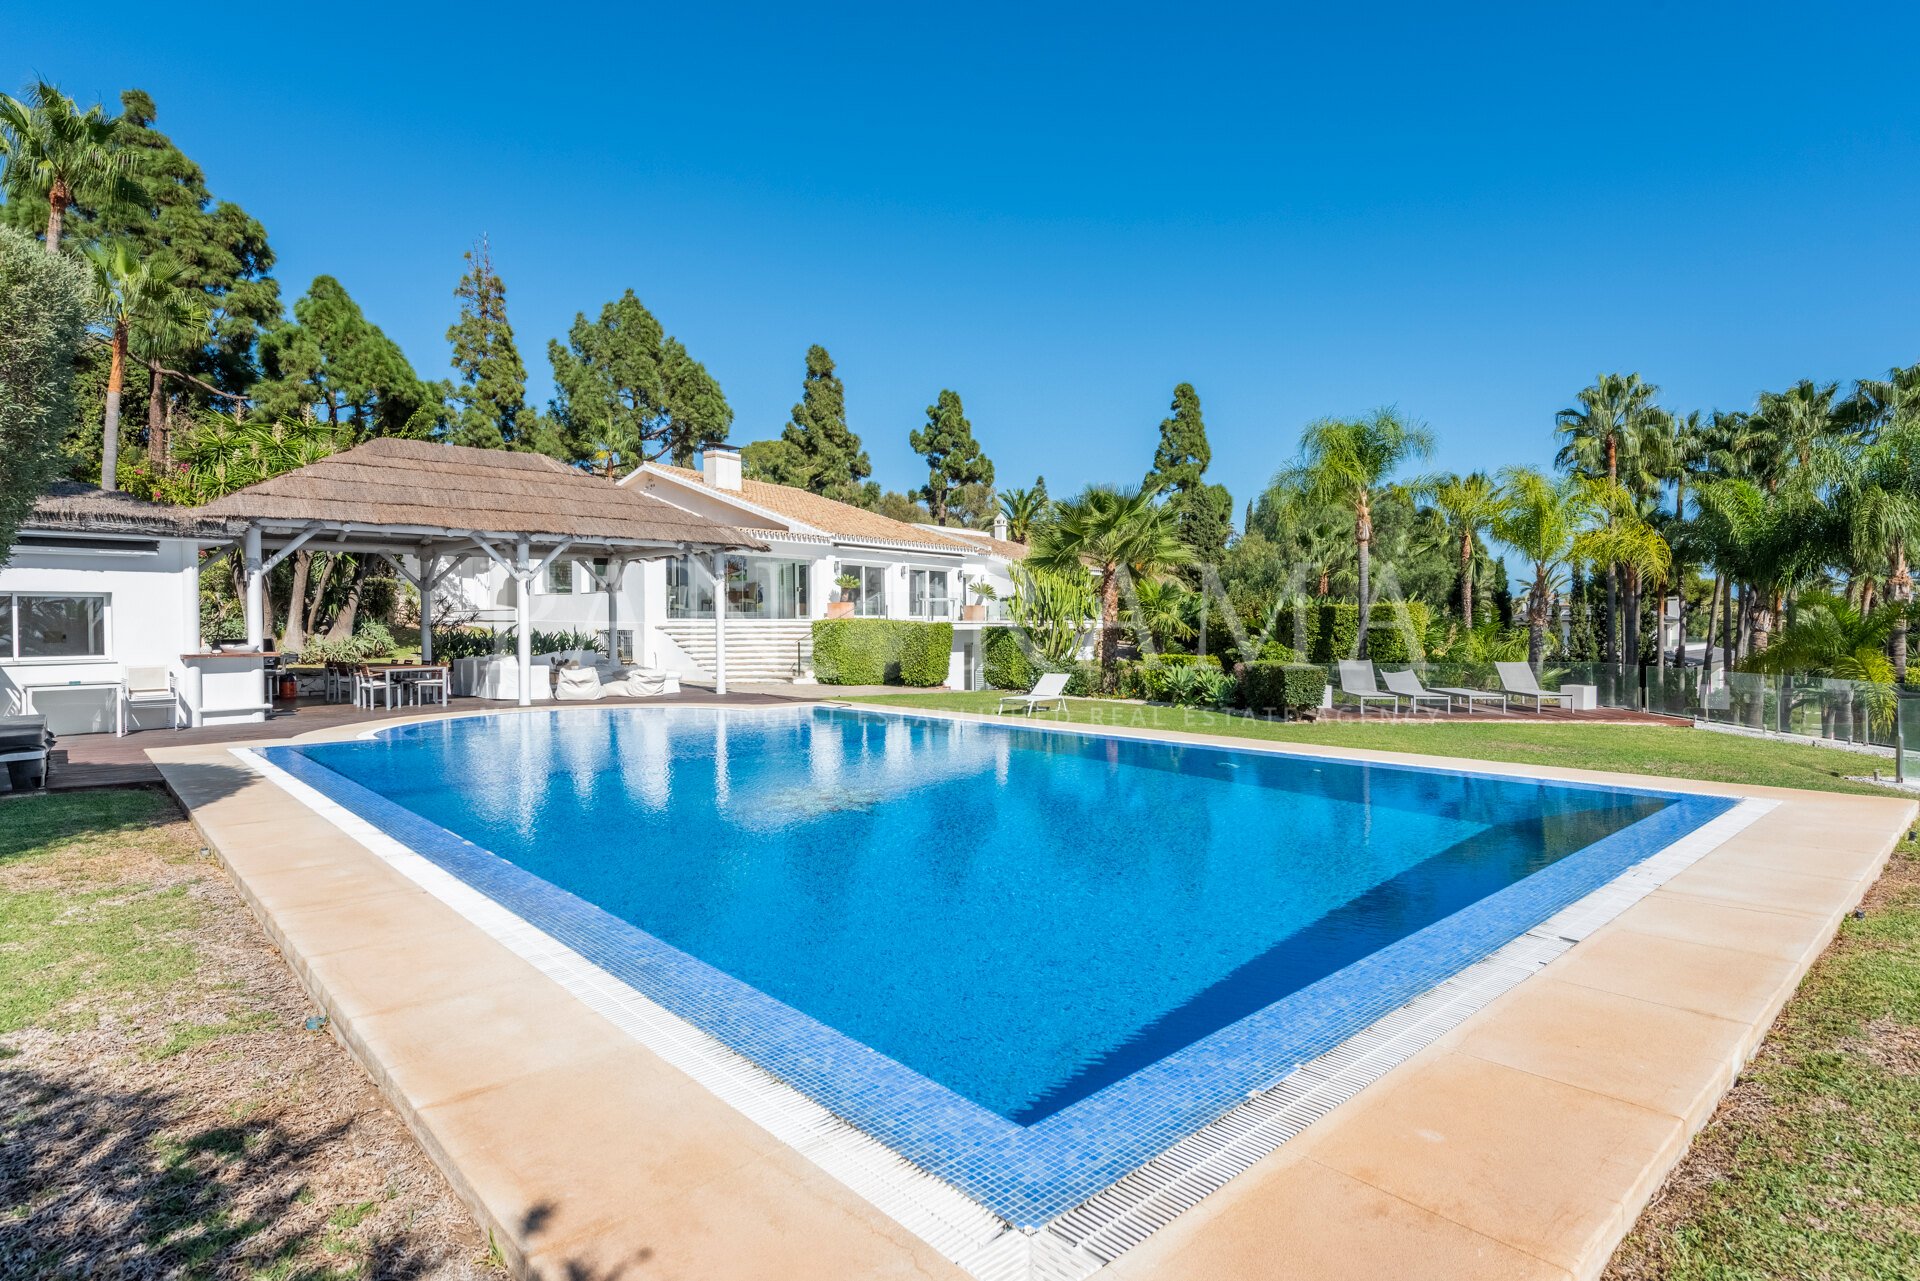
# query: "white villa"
664, 610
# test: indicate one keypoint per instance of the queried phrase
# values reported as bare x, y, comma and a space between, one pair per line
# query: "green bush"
880, 651
1006, 662
925, 651
1083, 679
45, 303
1333, 627
461, 642
1290, 687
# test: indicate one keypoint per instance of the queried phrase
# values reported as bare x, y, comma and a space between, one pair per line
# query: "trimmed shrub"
1007, 663
924, 651
1289, 687
1083, 679
1334, 628
880, 651
1274, 652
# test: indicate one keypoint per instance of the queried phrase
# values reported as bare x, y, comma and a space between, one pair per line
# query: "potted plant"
982, 593
843, 605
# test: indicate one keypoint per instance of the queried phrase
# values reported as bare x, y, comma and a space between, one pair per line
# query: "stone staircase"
756, 650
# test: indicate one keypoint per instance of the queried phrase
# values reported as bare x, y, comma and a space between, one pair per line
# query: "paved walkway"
1521, 1145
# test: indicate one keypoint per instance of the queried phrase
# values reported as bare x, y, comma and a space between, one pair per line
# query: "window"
870, 596
560, 578
49, 627
927, 594
757, 587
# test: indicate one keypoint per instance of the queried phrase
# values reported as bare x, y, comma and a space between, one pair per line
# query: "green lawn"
1671, 750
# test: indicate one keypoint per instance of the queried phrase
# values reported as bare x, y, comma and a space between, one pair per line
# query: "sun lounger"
1358, 682
1407, 685
1051, 689
1518, 680
1468, 696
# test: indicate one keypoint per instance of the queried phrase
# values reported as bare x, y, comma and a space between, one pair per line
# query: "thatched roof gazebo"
443, 504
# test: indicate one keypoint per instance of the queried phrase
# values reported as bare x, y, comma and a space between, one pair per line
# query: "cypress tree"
953, 455
824, 454
1205, 512
622, 385
490, 396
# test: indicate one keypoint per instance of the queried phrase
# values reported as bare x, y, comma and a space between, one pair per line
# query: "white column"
616, 571
720, 623
523, 621
256, 590
429, 566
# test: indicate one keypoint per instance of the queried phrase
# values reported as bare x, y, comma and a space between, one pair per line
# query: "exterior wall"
153, 617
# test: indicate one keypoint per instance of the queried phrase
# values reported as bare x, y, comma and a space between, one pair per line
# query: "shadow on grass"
31, 822
99, 1183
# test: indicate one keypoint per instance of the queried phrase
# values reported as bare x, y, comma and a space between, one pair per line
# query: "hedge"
880, 651
1005, 660
1332, 630
1289, 686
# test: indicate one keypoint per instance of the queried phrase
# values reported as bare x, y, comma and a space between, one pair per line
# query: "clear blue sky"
1061, 216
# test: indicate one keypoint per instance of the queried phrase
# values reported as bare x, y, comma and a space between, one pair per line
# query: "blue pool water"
1023, 917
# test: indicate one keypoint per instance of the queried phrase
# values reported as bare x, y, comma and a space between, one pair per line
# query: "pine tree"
824, 454
953, 455
332, 361
1204, 512
490, 397
622, 385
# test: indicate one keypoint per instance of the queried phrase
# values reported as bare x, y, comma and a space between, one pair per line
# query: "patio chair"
1358, 682
1051, 688
578, 684
1469, 696
1518, 680
367, 685
430, 684
148, 687
1407, 685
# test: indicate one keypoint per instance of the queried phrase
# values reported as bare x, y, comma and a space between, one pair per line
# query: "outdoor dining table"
401, 675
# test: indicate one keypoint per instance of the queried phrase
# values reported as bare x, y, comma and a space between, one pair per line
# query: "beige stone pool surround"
1521, 1144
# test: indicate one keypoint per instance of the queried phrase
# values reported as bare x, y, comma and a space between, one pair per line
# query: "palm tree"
130, 295
1625, 541
1831, 636
1540, 517
1110, 532
1468, 504
1686, 450
1877, 506
1342, 461
58, 153
1796, 425
1614, 433
1023, 508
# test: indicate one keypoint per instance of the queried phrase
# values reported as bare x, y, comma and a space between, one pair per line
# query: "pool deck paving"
1521, 1144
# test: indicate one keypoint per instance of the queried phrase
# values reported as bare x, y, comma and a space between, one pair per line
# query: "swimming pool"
1027, 960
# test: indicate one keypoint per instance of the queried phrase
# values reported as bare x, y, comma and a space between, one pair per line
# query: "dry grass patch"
164, 1110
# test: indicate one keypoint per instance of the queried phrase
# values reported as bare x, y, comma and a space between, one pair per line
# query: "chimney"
1000, 526
720, 467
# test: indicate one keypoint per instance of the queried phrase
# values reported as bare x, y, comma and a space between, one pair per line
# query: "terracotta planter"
839, 609
973, 613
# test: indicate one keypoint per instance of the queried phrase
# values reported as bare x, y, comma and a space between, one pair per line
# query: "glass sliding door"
927, 594
756, 587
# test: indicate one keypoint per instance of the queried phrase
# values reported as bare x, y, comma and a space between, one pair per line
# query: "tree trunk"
1610, 650
1363, 540
1630, 617
1537, 617
1728, 640
343, 621
293, 637
110, 430
1900, 592
1713, 620
1679, 620
1466, 579
59, 196
320, 593
1109, 622
156, 415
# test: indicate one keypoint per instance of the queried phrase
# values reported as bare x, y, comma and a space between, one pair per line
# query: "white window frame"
12, 658
862, 568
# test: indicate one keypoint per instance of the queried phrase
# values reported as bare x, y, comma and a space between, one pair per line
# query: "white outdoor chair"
578, 685
148, 687
428, 686
1407, 685
1358, 682
368, 686
1518, 680
1051, 689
